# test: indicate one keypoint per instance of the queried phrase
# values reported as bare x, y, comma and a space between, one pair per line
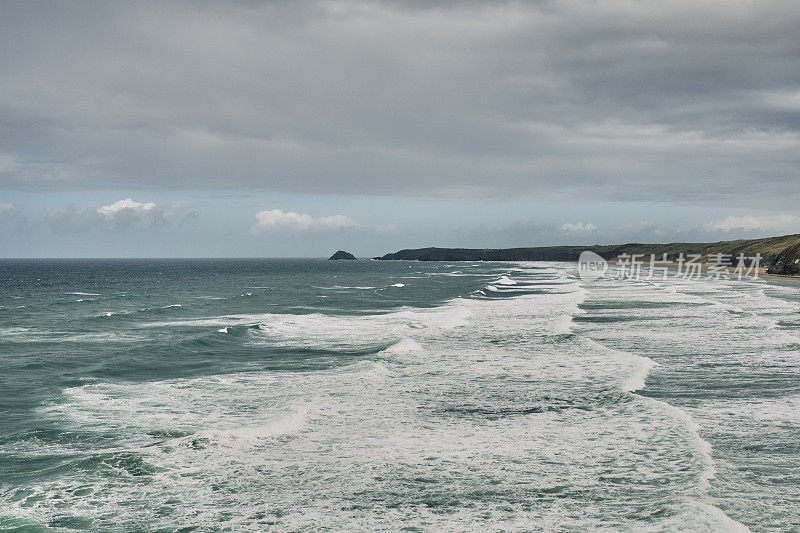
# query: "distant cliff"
780, 255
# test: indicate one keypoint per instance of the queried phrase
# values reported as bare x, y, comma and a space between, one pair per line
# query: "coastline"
777, 255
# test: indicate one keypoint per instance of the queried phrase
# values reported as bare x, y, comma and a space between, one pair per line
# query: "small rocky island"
341, 254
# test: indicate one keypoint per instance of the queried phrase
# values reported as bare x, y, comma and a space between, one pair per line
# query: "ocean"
293, 395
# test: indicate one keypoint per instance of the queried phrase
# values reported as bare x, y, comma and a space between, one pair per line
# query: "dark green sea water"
249, 395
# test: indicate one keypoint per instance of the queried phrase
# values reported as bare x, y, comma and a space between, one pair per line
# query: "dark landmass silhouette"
341, 254
779, 255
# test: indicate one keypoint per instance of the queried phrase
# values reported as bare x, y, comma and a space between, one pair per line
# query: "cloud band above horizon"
680, 101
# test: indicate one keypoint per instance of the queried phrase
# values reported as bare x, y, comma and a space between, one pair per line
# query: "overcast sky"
299, 128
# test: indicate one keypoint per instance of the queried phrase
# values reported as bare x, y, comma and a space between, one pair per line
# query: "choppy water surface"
302, 394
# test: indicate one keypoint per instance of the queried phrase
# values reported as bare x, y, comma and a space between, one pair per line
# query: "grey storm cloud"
686, 101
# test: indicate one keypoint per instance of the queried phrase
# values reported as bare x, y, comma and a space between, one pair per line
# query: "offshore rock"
341, 254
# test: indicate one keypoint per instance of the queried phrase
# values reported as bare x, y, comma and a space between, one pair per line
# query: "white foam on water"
245, 437
345, 287
632, 369
403, 346
14, 331
21, 334
731, 326
332, 330
224, 405
697, 509
458, 274
638, 378
782, 411
480, 414
699, 517
346, 332
109, 336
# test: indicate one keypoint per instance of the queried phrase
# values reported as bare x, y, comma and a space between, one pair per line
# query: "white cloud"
121, 215
784, 100
783, 223
277, 219
385, 228
578, 227
180, 212
116, 207
11, 219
